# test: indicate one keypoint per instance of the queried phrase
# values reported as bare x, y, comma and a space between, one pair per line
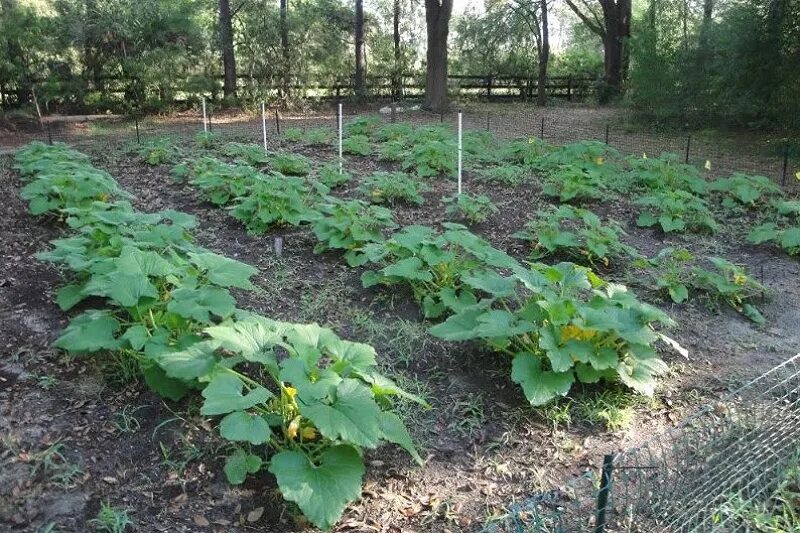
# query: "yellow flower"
294, 427
739, 279
797, 175
291, 392
707, 166
309, 433
599, 160
571, 331
644, 155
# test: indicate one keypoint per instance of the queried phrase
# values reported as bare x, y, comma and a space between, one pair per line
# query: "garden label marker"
341, 157
460, 151
264, 124
205, 118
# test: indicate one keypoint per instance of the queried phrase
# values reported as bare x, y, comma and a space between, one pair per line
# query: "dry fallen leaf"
255, 514
201, 520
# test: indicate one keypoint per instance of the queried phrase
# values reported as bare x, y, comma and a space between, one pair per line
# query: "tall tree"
535, 15
360, 81
285, 67
611, 21
437, 18
226, 43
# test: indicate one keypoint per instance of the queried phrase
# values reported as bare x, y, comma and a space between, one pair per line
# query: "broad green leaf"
790, 238
192, 362
459, 327
136, 336
540, 386
200, 303
409, 268
239, 464
69, 295
89, 332
752, 312
321, 490
395, 431
252, 339
678, 293
353, 416
133, 260
491, 282
241, 426
311, 383
223, 271
224, 394
126, 289
163, 385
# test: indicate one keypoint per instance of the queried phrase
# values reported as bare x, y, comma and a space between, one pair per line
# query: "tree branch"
592, 25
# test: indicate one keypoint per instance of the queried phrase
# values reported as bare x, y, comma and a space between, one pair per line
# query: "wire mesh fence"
729, 455
718, 156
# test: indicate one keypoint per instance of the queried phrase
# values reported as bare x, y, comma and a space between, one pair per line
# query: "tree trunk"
360, 81
614, 31
285, 68
397, 86
437, 18
228, 57
544, 55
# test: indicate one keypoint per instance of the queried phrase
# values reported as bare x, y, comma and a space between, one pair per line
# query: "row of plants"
548, 319
294, 399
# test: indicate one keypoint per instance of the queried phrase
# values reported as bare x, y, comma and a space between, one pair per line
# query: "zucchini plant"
781, 226
356, 145
575, 183
275, 200
157, 151
561, 325
249, 154
742, 189
393, 188
350, 225
290, 164
470, 208
675, 211
295, 399
662, 173
219, 183
577, 233
431, 158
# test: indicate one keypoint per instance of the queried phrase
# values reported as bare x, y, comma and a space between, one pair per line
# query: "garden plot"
505, 309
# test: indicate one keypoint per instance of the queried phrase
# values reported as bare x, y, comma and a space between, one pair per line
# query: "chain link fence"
729, 455
718, 155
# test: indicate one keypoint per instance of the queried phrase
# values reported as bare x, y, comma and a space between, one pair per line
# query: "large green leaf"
224, 271
89, 332
162, 384
353, 416
200, 303
540, 386
241, 426
321, 490
125, 288
224, 395
194, 361
251, 338
395, 431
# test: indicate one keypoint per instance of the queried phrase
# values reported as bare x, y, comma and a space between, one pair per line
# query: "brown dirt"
483, 447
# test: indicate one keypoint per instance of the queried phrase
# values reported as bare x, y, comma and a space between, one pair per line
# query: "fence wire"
734, 450
719, 157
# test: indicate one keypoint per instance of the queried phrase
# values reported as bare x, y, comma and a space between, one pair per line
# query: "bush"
393, 187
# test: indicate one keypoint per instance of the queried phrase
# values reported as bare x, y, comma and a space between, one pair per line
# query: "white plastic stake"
460, 152
341, 154
205, 117
264, 124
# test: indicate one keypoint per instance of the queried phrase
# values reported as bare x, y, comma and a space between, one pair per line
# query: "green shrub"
431, 159
158, 151
275, 201
330, 176
207, 139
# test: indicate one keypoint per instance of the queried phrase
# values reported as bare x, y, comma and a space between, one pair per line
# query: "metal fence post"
488, 126
277, 122
607, 128
569, 88
603, 493
49, 133
541, 132
785, 165
688, 146
138, 139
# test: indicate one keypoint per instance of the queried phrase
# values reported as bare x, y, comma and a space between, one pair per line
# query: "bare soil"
484, 447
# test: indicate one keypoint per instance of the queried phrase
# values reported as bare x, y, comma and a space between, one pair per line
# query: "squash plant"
781, 226
573, 182
742, 189
433, 264
471, 208
577, 233
356, 145
393, 188
675, 211
662, 173
321, 401
276, 200
290, 164
561, 325
431, 159
249, 154
350, 225
157, 151
219, 183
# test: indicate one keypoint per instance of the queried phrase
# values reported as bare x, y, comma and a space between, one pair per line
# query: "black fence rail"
717, 157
